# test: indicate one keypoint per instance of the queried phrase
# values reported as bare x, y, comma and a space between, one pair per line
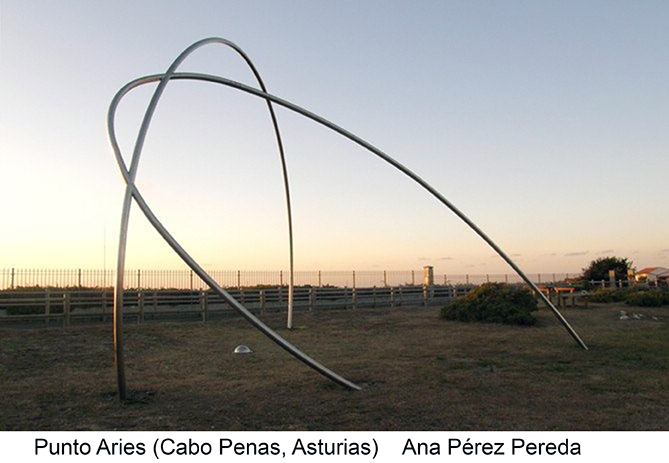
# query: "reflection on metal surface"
242, 349
132, 192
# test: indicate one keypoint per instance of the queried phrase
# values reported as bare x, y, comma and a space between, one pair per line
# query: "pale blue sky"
546, 122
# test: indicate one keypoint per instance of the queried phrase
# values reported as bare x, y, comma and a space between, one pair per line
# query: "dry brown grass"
418, 373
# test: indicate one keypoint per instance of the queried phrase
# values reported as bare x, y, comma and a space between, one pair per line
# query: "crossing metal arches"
132, 192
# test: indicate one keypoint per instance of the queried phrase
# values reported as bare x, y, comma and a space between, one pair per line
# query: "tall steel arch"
132, 192
129, 176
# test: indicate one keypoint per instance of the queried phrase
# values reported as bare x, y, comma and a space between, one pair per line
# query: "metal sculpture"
132, 192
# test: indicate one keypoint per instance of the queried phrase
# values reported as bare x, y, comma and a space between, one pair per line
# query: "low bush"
608, 295
493, 303
651, 298
635, 296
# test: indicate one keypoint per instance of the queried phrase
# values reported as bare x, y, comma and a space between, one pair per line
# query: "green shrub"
607, 295
493, 303
652, 298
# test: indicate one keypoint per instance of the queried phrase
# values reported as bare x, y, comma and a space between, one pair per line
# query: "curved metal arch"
132, 173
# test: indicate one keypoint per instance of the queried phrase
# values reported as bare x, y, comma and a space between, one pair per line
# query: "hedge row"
634, 296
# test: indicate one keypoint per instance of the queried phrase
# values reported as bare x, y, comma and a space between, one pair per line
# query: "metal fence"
12, 278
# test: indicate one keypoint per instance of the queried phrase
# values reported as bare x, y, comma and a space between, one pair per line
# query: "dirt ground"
417, 372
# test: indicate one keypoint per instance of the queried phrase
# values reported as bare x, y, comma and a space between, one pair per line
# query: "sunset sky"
546, 122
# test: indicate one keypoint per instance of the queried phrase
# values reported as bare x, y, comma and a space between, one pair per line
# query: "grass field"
417, 372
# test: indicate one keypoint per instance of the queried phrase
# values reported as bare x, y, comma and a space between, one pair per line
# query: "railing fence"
12, 278
67, 306
64, 297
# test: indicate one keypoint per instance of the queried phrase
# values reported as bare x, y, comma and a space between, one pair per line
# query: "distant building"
652, 274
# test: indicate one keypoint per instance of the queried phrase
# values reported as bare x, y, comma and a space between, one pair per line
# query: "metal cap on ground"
242, 349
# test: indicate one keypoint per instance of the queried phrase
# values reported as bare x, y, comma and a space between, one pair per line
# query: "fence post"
262, 297
139, 279
354, 297
385, 279
506, 278
428, 283
47, 305
204, 306
467, 278
191, 280
140, 306
320, 282
353, 279
66, 308
312, 299
12, 284
539, 278
413, 278
554, 278
262, 301
487, 278
104, 303
631, 280
280, 277
79, 277
239, 279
